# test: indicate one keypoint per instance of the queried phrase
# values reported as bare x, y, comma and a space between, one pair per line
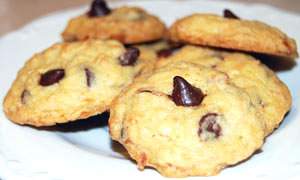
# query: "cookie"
231, 33
195, 121
268, 93
129, 25
71, 81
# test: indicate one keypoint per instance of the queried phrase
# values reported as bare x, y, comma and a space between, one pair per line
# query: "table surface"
16, 13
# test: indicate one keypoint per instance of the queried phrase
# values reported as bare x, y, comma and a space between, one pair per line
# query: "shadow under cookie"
92, 122
118, 148
276, 63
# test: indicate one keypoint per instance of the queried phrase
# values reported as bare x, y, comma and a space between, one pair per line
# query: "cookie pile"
182, 105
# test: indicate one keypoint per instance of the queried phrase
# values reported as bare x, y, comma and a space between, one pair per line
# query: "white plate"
28, 153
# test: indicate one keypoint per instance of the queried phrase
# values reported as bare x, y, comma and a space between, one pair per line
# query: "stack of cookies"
189, 105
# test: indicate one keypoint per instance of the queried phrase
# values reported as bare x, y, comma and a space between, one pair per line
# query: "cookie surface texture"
129, 25
268, 93
69, 81
195, 121
216, 31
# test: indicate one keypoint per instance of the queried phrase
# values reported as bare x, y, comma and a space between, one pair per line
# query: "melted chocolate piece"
90, 77
184, 94
51, 77
129, 57
209, 124
164, 53
98, 8
229, 14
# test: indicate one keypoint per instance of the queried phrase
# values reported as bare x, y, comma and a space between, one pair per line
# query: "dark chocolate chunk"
209, 124
163, 53
184, 94
129, 57
90, 77
229, 14
51, 77
98, 8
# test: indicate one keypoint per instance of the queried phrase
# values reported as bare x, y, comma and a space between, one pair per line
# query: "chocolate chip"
51, 77
90, 77
163, 53
184, 94
98, 8
209, 127
229, 14
24, 96
129, 57
166, 52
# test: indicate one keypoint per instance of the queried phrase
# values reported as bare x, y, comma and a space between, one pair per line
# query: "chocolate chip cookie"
186, 119
129, 25
71, 81
232, 33
267, 92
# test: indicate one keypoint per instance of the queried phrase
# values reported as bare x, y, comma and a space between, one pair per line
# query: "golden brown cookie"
270, 95
129, 25
186, 119
216, 31
71, 81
